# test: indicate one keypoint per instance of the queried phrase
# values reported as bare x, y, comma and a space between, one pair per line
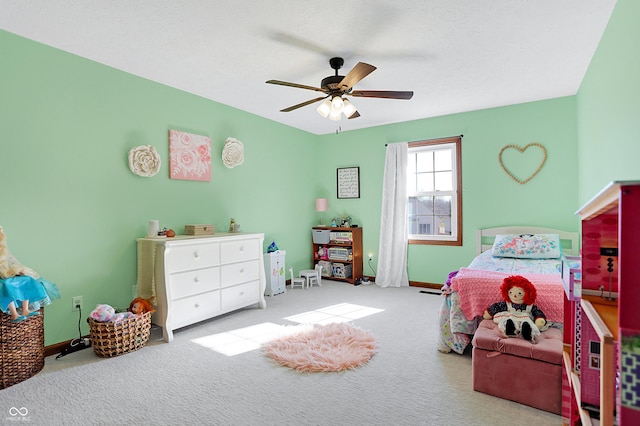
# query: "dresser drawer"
194, 309
238, 273
240, 295
237, 251
188, 283
184, 258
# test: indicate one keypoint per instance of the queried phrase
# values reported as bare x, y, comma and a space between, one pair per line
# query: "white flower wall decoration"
144, 160
232, 153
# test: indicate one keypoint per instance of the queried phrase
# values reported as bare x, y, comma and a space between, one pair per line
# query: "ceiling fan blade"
360, 71
387, 94
300, 105
299, 86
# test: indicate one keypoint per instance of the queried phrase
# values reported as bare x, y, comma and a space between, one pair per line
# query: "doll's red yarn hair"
145, 304
530, 293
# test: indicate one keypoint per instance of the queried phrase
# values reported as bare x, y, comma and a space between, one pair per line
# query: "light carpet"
323, 348
407, 382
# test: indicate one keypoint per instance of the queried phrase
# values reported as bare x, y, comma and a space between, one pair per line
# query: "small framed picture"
348, 182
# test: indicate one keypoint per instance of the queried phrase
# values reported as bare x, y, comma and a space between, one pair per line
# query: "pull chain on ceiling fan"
337, 87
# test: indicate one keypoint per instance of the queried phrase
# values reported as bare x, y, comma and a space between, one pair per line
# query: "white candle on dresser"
153, 228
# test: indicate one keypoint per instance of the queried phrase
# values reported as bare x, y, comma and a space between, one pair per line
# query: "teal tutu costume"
38, 292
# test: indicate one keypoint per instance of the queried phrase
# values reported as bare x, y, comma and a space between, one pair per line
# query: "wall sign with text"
349, 182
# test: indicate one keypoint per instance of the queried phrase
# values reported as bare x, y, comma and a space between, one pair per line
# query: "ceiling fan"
336, 86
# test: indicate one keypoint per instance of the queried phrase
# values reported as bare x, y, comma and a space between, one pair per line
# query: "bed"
475, 287
497, 360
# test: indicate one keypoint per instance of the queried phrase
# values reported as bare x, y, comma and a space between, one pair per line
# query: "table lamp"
321, 206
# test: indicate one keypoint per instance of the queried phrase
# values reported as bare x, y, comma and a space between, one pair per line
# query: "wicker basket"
110, 339
21, 348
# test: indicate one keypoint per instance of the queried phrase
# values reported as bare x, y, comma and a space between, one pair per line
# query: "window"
434, 196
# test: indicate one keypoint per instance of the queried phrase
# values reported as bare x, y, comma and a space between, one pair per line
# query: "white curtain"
392, 253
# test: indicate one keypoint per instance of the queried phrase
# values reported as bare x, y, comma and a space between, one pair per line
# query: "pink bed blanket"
478, 289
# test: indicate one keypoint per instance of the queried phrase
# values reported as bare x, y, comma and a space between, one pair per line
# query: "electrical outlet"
76, 303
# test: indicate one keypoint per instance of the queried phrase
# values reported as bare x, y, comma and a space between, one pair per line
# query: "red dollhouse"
602, 325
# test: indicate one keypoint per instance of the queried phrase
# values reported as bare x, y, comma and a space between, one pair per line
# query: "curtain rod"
435, 139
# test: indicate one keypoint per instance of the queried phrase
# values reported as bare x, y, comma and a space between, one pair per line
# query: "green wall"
608, 106
490, 197
72, 209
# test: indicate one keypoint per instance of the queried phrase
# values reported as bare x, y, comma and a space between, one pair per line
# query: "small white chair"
319, 271
296, 281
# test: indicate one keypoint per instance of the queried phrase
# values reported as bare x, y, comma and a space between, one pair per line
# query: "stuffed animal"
103, 313
446, 288
517, 315
107, 313
140, 306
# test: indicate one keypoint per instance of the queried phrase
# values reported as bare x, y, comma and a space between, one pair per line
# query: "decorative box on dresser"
274, 267
602, 351
196, 278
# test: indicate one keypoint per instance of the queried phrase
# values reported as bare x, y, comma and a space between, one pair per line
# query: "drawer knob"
241, 248
196, 255
241, 270
196, 280
242, 293
197, 305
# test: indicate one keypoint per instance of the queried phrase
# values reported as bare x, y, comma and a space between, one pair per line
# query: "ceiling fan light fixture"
324, 108
334, 87
337, 103
335, 115
349, 109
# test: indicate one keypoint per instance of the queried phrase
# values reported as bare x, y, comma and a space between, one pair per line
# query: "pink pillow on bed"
527, 246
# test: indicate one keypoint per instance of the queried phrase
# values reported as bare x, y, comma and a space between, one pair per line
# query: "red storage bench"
515, 369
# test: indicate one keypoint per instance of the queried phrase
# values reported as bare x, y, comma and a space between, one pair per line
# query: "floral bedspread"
456, 328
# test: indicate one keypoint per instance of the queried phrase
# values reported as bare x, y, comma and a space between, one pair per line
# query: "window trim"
457, 140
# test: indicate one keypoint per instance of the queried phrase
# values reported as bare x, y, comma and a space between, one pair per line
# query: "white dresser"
195, 278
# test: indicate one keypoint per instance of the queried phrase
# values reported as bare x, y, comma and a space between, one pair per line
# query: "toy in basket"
114, 334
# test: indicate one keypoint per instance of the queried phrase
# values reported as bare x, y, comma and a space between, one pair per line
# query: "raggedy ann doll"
517, 315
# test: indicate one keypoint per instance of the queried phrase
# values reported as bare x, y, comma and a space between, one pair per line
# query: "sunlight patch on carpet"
242, 340
342, 312
324, 348
250, 338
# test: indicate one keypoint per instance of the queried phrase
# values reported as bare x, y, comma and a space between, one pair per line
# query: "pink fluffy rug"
332, 347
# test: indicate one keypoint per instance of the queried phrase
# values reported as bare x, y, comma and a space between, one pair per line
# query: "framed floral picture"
189, 156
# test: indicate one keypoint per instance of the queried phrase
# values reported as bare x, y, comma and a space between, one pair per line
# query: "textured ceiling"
456, 55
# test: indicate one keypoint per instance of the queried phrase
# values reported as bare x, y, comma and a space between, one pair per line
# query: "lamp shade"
348, 109
337, 103
321, 204
324, 108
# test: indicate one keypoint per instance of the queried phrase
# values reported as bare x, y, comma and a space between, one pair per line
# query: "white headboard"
485, 237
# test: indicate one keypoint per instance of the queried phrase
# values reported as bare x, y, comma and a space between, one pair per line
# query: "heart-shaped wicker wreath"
522, 150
